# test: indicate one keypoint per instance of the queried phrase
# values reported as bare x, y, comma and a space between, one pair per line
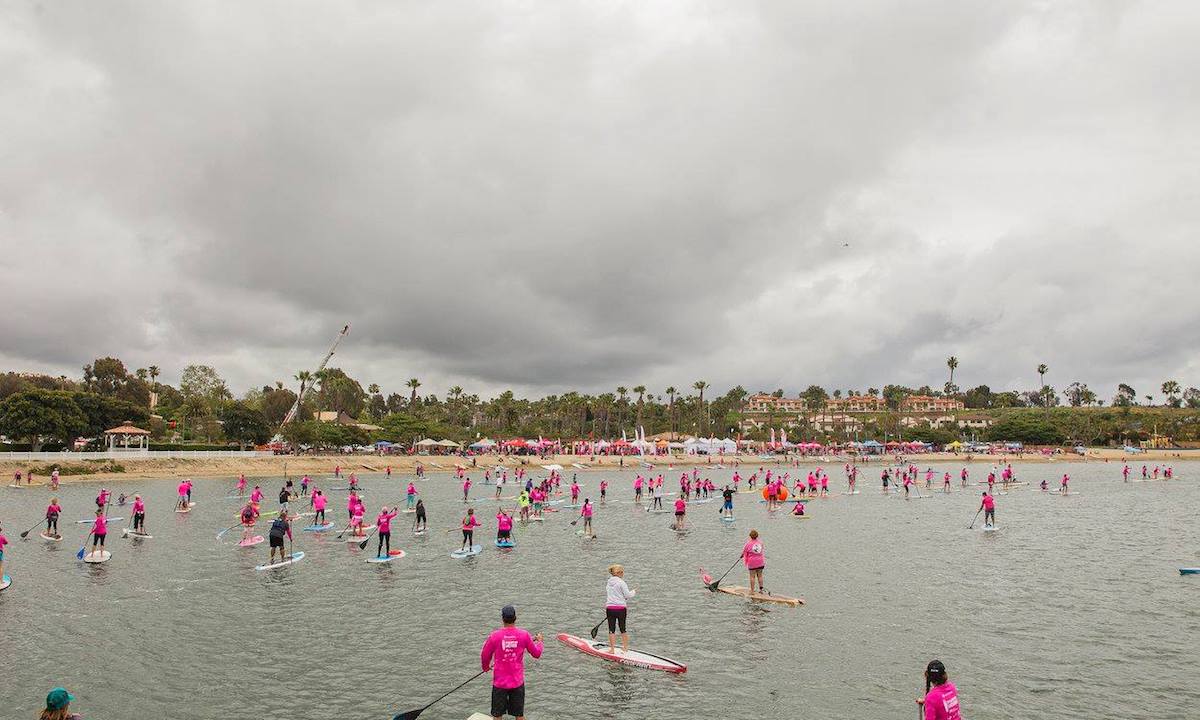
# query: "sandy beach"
167, 468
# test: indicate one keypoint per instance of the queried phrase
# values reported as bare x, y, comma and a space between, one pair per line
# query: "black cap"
508, 614
935, 667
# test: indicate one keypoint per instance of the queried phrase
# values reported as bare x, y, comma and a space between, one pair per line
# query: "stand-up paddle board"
469, 552
89, 522
419, 532
392, 555
989, 528
187, 509
293, 558
745, 592
727, 519
801, 517
1189, 571
97, 556
5, 582
251, 541
49, 538
632, 658
126, 532
505, 543
320, 528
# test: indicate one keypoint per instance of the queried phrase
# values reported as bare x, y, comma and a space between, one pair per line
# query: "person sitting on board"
616, 606
799, 509
941, 697
504, 654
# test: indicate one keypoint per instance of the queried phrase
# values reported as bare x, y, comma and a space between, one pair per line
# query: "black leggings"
320, 518
139, 520
385, 539
616, 617
468, 537
98, 540
52, 526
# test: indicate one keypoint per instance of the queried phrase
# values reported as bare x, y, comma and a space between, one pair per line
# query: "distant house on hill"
857, 404
341, 418
929, 404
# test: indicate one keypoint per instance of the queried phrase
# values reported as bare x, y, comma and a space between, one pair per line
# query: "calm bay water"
1074, 608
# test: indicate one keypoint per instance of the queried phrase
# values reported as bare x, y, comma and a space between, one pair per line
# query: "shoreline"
139, 468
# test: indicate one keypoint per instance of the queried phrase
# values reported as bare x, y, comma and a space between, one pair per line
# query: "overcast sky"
558, 195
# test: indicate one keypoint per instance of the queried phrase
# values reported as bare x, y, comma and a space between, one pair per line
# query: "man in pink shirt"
504, 654
988, 506
754, 556
680, 512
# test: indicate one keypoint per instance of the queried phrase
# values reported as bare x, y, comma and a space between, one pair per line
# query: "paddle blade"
363, 544
410, 715
79, 555
596, 629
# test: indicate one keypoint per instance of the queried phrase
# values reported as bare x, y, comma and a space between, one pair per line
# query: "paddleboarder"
504, 523
58, 706
1065, 479
410, 495
586, 514
680, 512
988, 506
469, 523
99, 530
727, 505
3, 542
754, 556
504, 654
53, 510
248, 515
419, 524
616, 606
319, 501
280, 527
139, 515
256, 495
383, 524
604, 491
466, 488
941, 697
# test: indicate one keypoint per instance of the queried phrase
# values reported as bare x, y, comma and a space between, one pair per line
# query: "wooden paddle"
412, 714
713, 585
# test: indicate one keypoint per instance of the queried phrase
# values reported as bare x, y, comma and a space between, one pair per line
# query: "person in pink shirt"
469, 523
754, 556
941, 697
319, 501
241, 484
504, 524
1065, 479
603, 491
586, 514
356, 519
798, 509
383, 523
988, 506
247, 517
256, 495
410, 495
139, 515
99, 530
351, 505
3, 542
680, 512
504, 654
102, 498
574, 493
946, 482
53, 510
466, 486
824, 485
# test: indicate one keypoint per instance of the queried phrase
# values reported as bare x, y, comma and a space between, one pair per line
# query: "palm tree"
154, 375
952, 363
303, 377
1042, 370
414, 384
700, 385
641, 393
671, 392
621, 393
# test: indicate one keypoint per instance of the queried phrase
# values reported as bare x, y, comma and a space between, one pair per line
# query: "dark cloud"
767, 194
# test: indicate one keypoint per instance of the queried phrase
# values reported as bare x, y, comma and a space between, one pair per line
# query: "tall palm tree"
952, 363
622, 391
641, 393
154, 375
700, 385
414, 384
1042, 370
671, 392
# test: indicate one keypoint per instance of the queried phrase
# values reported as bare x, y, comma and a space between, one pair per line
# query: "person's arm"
536, 646
485, 655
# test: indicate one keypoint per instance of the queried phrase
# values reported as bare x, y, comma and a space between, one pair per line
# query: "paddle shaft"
412, 714
713, 586
972, 525
39, 522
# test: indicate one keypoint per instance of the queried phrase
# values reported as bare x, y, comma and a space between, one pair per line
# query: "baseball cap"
508, 613
58, 698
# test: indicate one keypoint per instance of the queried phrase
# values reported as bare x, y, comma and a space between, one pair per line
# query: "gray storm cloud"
575, 196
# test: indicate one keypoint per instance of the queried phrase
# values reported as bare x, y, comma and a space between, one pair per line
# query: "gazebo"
118, 438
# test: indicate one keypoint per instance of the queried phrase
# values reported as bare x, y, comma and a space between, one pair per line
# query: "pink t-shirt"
139, 506
101, 526
182, 489
412, 489
680, 505
469, 522
53, 510
3, 542
587, 510
941, 703
988, 502
504, 652
503, 521
256, 495
753, 554
383, 522
319, 502
352, 503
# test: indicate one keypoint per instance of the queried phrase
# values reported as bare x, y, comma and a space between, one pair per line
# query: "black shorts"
503, 534
276, 542
508, 702
678, 514
616, 617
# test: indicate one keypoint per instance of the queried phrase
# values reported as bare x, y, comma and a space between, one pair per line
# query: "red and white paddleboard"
633, 657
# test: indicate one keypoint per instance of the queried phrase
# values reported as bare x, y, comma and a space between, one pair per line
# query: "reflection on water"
1074, 608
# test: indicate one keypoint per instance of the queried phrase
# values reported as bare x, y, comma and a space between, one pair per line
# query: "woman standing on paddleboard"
383, 523
319, 501
419, 522
99, 529
139, 515
248, 515
469, 523
504, 523
351, 506
988, 506
604, 491
941, 697
53, 510
680, 512
410, 495
616, 606
504, 654
256, 496
280, 528
754, 556
3, 542
586, 514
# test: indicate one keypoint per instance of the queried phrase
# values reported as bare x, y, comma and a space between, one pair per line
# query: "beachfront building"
974, 422
835, 422
341, 418
929, 404
127, 437
857, 404
764, 404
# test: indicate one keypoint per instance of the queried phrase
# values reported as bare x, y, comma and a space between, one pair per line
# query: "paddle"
79, 555
343, 532
596, 629
26, 533
972, 525
412, 714
713, 585
222, 533
363, 544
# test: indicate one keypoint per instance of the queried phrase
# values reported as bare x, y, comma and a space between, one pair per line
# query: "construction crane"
305, 387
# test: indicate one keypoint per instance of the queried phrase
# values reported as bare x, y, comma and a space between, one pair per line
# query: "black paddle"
343, 532
713, 585
35, 527
972, 525
412, 714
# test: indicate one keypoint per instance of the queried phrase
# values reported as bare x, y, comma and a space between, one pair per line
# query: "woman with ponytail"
941, 698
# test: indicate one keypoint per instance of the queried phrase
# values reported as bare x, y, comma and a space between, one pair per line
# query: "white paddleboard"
632, 658
5, 582
126, 532
469, 552
293, 558
382, 559
98, 556
320, 528
49, 538
419, 532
